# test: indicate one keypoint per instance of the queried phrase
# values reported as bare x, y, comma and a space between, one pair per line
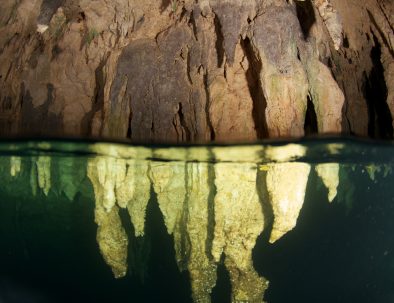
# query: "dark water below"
341, 251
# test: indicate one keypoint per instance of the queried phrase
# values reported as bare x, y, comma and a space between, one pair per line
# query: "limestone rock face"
274, 35
194, 71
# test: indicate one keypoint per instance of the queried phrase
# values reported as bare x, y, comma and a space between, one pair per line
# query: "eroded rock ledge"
187, 71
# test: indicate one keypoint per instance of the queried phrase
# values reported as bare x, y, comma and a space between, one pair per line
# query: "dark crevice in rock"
256, 90
137, 249
310, 126
222, 290
98, 99
192, 22
219, 41
346, 125
380, 120
207, 105
129, 129
306, 16
48, 9
345, 42
382, 35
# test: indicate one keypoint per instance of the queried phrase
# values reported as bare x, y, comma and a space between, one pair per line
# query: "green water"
104, 222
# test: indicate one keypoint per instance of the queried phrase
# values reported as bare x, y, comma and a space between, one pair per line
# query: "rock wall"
196, 71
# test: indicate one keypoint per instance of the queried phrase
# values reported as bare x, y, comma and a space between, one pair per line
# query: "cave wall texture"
196, 71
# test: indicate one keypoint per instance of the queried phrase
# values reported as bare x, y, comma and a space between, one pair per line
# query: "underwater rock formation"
183, 193
286, 185
197, 225
43, 164
168, 180
136, 205
215, 200
111, 236
239, 220
15, 166
329, 174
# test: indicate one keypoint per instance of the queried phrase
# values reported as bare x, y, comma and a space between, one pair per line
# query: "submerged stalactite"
15, 166
215, 201
111, 236
239, 220
286, 184
329, 174
43, 164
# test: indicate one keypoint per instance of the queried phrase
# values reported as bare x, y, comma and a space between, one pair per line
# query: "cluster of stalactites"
211, 210
291, 70
118, 183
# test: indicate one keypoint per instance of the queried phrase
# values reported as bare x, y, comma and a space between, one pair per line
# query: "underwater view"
303, 221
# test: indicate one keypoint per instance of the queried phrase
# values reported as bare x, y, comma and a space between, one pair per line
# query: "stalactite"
111, 236
286, 185
33, 177
44, 173
196, 235
15, 166
329, 173
125, 182
168, 180
137, 204
283, 79
239, 220
332, 20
